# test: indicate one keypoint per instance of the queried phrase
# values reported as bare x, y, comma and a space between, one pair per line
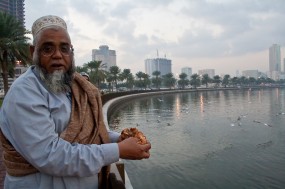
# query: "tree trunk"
5, 72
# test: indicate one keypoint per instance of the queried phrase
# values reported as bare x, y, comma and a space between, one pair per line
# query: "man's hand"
130, 149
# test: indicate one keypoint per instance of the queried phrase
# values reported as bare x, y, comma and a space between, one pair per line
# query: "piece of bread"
133, 132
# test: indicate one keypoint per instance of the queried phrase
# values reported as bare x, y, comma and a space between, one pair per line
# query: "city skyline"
227, 36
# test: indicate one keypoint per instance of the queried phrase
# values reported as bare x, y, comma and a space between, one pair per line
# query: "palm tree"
127, 75
217, 80
234, 81
14, 45
195, 80
114, 71
157, 80
183, 80
81, 69
243, 80
269, 80
110, 80
130, 81
206, 80
124, 74
252, 81
226, 80
146, 80
139, 75
97, 72
261, 81
169, 80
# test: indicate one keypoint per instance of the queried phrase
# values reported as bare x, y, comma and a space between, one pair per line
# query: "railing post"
121, 168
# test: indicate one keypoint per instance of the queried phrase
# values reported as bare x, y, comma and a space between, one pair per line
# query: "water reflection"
210, 139
202, 103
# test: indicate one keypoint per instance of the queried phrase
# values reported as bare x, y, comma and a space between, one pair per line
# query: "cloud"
207, 32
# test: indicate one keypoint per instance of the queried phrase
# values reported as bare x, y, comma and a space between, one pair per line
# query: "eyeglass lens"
48, 49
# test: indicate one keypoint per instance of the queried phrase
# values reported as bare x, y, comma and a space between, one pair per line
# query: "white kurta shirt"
32, 119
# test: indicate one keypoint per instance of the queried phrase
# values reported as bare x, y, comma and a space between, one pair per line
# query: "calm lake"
210, 139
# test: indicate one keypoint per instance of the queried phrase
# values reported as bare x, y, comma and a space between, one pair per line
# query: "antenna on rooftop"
157, 53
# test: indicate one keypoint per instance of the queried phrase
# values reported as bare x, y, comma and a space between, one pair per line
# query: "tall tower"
162, 65
284, 65
14, 8
188, 71
210, 72
274, 58
108, 57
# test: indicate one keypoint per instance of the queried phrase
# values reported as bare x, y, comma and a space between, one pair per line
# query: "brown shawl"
86, 126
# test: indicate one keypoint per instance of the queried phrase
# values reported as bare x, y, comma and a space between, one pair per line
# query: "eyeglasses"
48, 50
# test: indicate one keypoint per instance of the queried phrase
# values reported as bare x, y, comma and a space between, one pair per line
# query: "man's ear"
32, 50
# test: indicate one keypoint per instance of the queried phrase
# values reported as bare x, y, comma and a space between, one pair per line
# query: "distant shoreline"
112, 100
109, 96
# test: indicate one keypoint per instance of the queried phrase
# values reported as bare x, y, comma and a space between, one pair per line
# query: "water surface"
210, 139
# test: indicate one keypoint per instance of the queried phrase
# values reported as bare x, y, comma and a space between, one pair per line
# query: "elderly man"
52, 129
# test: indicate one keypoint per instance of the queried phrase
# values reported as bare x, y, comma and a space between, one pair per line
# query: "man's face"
55, 60
54, 50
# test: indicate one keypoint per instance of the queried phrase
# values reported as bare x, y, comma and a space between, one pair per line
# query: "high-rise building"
210, 72
108, 57
250, 73
188, 71
274, 58
162, 65
284, 65
14, 8
237, 73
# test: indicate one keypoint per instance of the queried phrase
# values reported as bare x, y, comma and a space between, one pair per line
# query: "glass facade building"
104, 54
210, 72
188, 71
15, 8
162, 65
275, 58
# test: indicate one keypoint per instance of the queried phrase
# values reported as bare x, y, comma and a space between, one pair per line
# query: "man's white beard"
55, 81
58, 81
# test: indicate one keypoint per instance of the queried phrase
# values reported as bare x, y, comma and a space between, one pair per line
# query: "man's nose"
57, 52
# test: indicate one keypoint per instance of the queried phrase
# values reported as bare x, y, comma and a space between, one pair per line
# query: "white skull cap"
47, 21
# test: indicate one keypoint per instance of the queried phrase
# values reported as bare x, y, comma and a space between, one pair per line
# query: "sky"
226, 35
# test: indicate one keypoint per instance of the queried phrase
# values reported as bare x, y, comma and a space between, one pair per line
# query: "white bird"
160, 100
